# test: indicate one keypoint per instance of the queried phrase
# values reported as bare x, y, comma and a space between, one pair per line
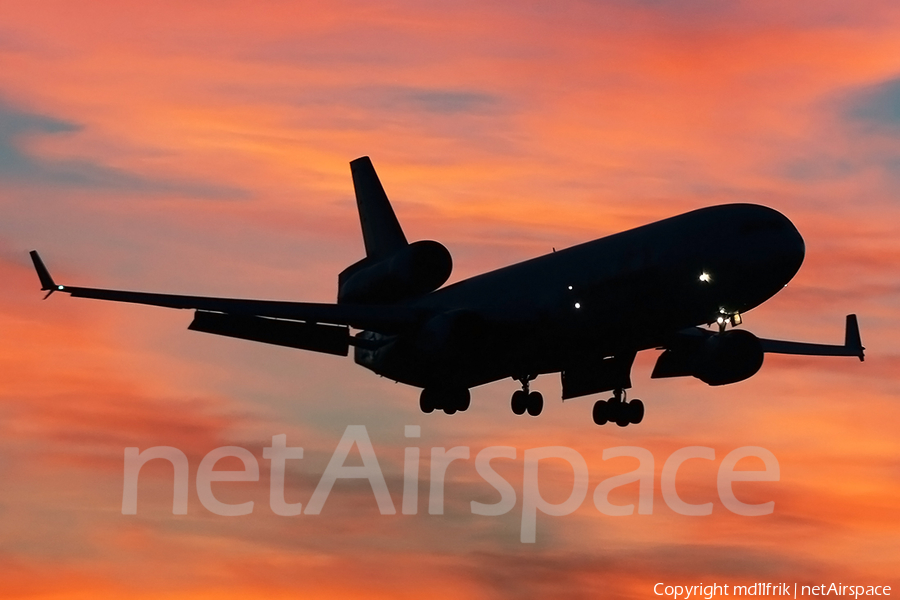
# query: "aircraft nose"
789, 250
780, 242
795, 247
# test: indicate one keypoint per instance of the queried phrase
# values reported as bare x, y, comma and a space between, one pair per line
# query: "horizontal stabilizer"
852, 344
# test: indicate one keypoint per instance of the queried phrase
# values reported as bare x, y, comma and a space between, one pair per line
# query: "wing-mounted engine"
735, 355
713, 358
414, 270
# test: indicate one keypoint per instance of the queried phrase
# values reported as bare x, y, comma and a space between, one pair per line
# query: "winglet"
47, 283
852, 339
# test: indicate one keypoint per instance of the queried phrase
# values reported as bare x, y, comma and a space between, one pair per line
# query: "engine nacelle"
729, 357
719, 359
417, 269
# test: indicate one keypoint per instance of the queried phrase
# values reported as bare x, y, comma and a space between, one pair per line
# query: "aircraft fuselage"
622, 293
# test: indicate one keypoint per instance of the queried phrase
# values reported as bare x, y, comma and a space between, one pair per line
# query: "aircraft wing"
852, 344
380, 318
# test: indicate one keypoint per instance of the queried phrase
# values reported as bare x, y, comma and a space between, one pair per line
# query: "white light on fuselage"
570, 287
704, 277
578, 305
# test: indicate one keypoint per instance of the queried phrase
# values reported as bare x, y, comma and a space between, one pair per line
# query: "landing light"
705, 278
570, 287
720, 320
578, 305
59, 287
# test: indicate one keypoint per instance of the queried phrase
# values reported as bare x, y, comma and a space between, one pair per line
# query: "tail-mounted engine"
414, 270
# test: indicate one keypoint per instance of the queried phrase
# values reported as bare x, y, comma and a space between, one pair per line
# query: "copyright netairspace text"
785, 590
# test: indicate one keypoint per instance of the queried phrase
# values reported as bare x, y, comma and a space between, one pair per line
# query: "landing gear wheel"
635, 411
464, 400
427, 401
601, 412
619, 412
535, 403
450, 400
519, 402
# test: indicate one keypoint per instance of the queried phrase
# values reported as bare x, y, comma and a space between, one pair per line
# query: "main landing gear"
523, 400
449, 400
618, 411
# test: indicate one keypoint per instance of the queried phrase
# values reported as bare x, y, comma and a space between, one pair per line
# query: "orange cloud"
204, 149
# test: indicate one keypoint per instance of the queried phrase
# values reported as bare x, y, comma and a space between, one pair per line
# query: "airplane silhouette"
583, 312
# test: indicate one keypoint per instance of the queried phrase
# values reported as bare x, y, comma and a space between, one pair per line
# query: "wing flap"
328, 339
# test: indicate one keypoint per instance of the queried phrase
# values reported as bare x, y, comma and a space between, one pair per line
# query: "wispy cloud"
877, 105
20, 166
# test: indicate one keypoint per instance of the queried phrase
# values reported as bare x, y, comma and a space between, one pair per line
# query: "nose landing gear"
618, 411
523, 400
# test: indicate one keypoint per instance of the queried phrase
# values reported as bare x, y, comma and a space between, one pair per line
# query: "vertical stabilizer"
382, 234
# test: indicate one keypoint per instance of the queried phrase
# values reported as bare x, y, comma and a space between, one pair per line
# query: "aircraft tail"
381, 230
393, 269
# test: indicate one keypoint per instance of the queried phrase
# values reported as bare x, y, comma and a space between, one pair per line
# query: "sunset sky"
203, 148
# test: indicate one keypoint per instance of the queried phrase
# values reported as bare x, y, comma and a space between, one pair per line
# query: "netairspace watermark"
532, 501
783, 590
